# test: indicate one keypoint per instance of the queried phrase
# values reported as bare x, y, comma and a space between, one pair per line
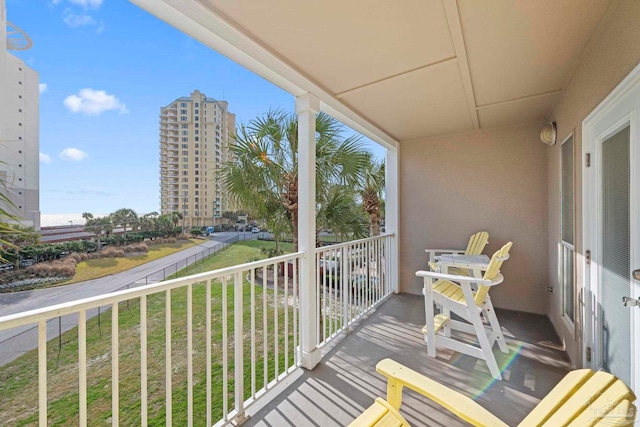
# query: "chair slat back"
493, 270
477, 243
585, 398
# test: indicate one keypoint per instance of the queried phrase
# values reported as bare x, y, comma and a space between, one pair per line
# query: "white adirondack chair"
454, 293
476, 245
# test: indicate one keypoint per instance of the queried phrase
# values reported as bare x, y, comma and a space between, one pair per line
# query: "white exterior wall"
19, 131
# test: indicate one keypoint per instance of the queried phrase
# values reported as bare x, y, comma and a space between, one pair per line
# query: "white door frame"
591, 141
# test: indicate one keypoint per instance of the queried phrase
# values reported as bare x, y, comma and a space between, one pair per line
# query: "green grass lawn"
100, 267
19, 379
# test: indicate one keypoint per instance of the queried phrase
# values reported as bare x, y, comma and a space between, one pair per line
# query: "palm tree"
125, 217
264, 169
97, 226
371, 191
175, 218
10, 229
341, 213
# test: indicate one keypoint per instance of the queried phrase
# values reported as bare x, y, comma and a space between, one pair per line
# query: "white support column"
307, 106
392, 213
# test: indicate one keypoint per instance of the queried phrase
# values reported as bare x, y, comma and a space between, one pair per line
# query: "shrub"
136, 247
111, 252
76, 257
42, 269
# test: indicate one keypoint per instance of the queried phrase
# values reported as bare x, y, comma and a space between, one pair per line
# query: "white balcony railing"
352, 278
203, 347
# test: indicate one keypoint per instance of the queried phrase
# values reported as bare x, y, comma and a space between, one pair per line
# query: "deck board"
346, 383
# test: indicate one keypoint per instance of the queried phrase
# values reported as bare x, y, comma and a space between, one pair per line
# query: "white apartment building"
19, 124
194, 133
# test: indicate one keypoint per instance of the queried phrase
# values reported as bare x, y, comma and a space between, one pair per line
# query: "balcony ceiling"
421, 68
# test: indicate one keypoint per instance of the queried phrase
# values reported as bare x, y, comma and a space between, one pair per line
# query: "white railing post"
238, 346
391, 221
345, 286
307, 106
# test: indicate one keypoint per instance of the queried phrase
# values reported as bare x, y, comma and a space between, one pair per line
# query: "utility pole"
184, 211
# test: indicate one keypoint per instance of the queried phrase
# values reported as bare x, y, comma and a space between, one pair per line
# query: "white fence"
352, 278
240, 341
199, 348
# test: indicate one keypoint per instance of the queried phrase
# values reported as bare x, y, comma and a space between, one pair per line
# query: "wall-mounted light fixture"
548, 135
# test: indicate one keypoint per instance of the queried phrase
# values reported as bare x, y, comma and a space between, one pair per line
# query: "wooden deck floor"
345, 382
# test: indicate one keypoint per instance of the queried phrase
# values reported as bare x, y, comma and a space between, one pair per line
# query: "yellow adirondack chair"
454, 293
476, 245
583, 398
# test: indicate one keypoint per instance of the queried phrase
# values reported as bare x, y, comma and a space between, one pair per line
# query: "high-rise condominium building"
19, 125
194, 136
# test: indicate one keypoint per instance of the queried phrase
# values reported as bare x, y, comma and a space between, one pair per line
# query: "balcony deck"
345, 382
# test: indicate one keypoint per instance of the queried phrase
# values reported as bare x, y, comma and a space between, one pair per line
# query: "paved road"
17, 341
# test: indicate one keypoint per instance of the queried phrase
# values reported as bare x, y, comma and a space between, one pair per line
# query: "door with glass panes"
611, 175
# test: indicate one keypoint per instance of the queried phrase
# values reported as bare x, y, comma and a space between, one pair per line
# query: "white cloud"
43, 87
73, 154
87, 4
75, 21
45, 158
94, 102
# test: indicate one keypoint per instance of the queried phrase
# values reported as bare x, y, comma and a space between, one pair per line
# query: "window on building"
196, 118
197, 165
197, 185
185, 145
198, 152
197, 125
185, 126
197, 145
197, 172
185, 186
197, 112
183, 118
185, 152
197, 193
566, 224
185, 172
197, 132
197, 104
185, 132
197, 159
185, 159
185, 139
185, 179
183, 111
197, 139
197, 179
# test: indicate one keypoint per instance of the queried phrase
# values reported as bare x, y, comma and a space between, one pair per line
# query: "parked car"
255, 230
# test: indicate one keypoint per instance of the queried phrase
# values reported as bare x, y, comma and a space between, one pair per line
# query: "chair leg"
490, 313
430, 335
446, 329
483, 340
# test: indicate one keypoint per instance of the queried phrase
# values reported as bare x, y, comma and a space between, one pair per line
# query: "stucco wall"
495, 180
612, 54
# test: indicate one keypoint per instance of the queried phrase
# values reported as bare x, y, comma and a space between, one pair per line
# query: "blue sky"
106, 67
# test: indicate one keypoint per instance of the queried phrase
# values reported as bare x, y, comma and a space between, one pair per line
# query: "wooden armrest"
399, 376
457, 278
